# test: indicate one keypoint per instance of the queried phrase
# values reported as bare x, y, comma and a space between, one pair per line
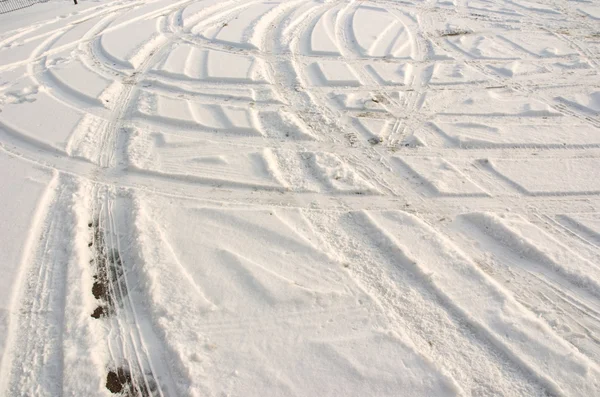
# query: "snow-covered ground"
300, 198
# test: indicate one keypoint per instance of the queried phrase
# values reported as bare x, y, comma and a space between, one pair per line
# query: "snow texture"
300, 198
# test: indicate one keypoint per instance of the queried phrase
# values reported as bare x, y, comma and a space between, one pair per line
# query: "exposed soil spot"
454, 32
99, 290
375, 140
109, 286
117, 380
121, 381
369, 115
99, 312
379, 98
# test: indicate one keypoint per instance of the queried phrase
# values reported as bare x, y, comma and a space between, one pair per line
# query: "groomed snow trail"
300, 198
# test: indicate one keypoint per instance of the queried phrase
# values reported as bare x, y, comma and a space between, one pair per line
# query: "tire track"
33, 365
137, 361
137, 355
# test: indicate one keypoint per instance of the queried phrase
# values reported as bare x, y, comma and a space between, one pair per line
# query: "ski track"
307, 197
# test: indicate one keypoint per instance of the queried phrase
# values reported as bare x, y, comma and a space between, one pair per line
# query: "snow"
300, 198
23, 187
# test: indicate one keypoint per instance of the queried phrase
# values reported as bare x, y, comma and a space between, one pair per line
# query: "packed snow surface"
300, 198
